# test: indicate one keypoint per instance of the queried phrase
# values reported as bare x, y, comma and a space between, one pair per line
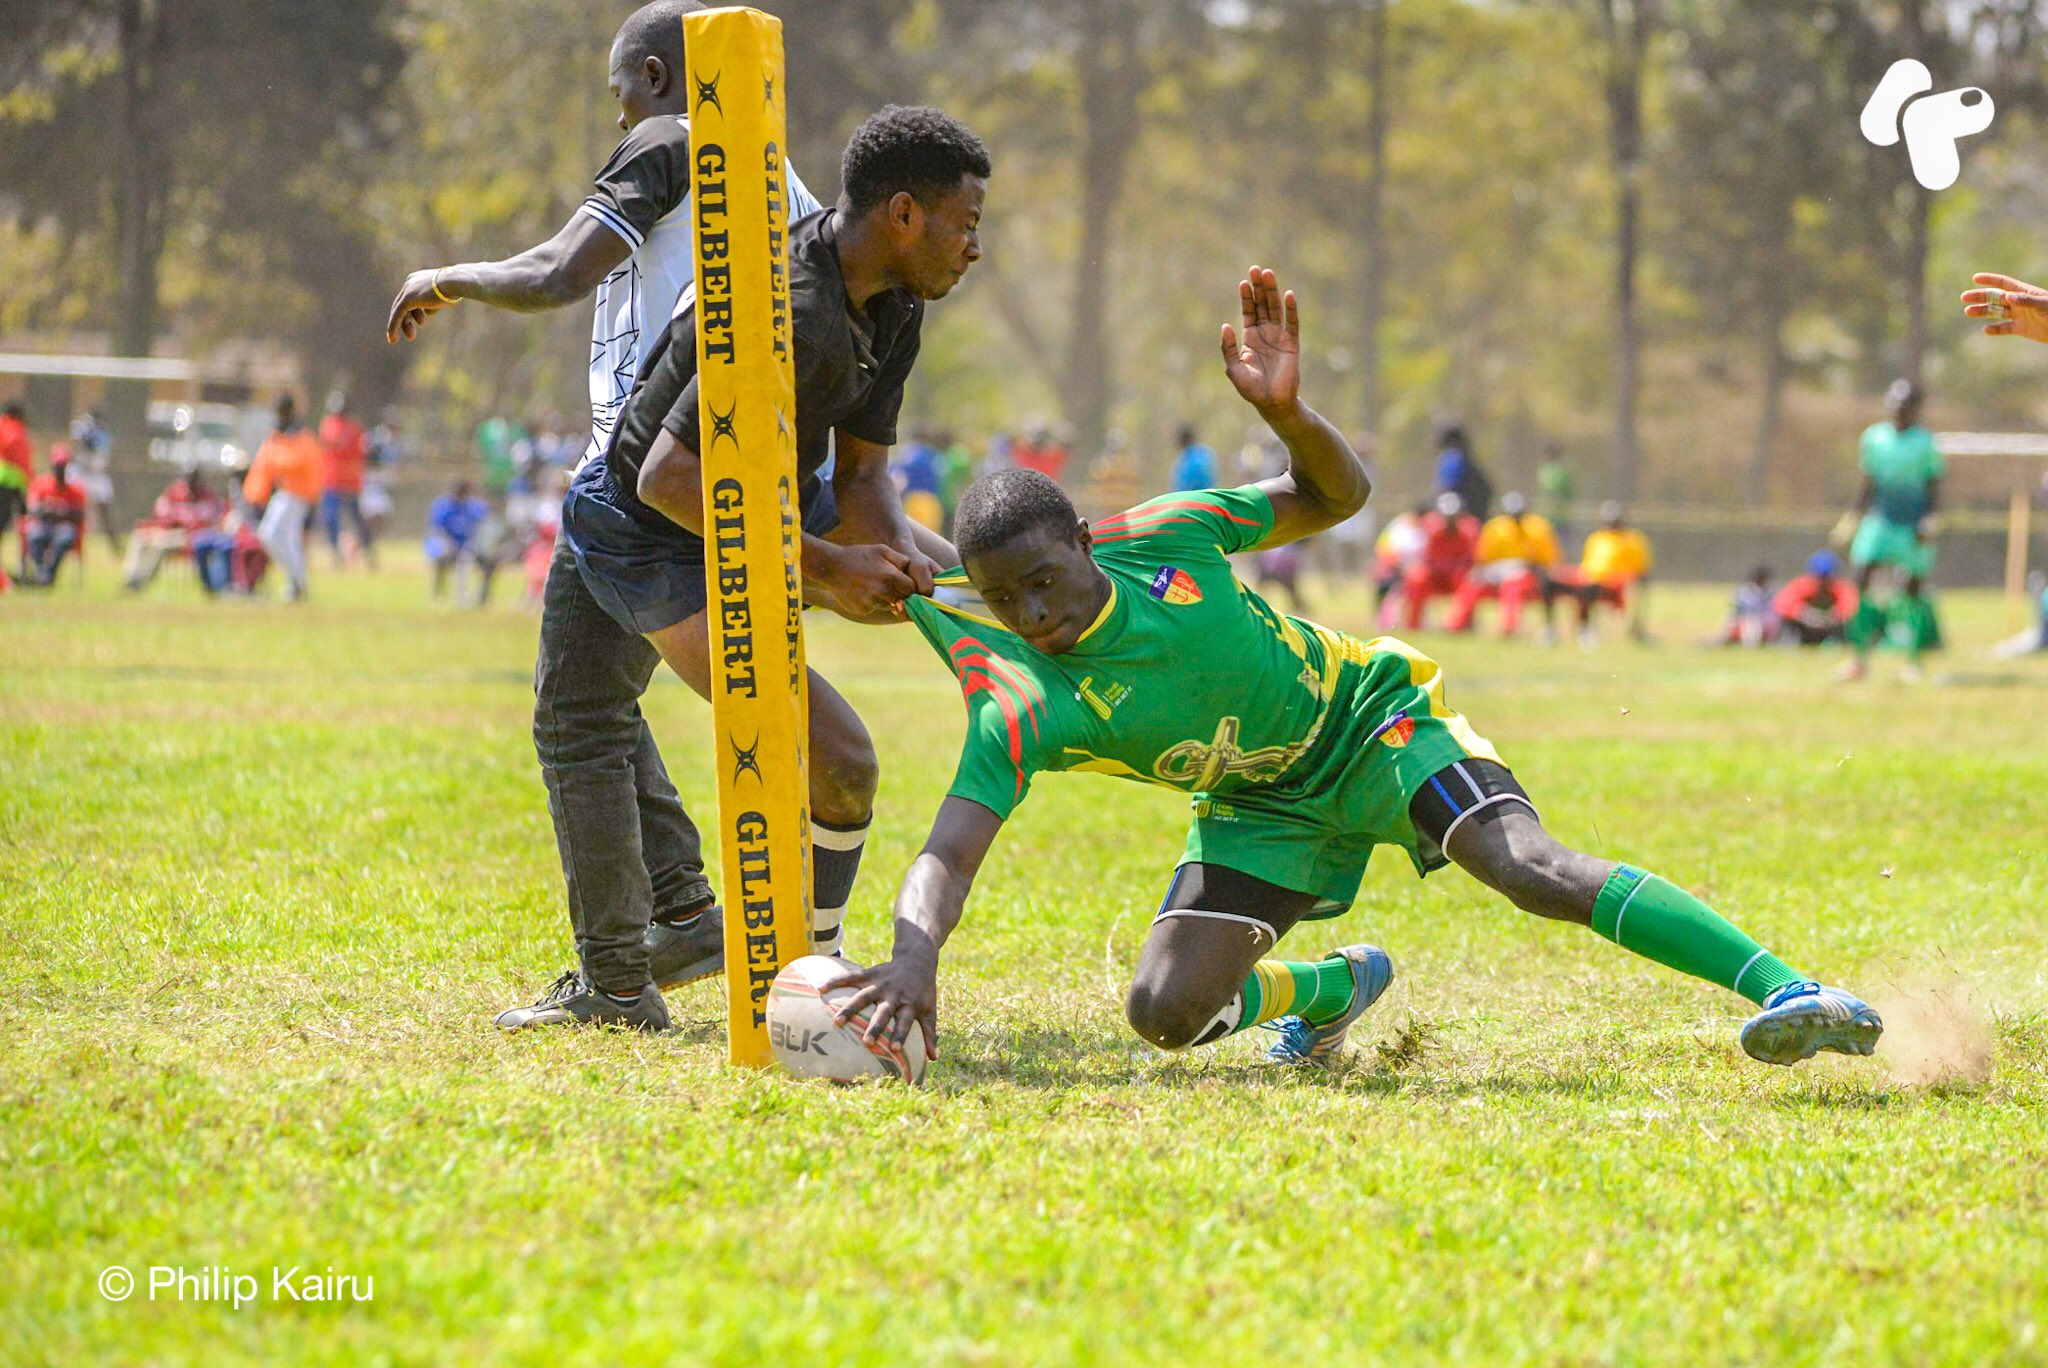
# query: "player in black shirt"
905, 230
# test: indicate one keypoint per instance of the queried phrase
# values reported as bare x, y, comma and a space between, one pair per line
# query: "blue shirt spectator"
918, 469
1195, 467
453, 520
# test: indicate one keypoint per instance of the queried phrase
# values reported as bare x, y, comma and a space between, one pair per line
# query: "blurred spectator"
1458, 472
1816, 607
56, 519
1902, 472
956, 472
213, 552
92, 449
1612, 569
1450, 539
2034, 638
344, 450
1195, 466
1001, 454
1516, 552
540, 544
494, 543
495, 439
1040, 450
919, 480
17, 467
1752, 620
451, 522
1399, 546
1283, 566
1555, 489
284, 480
184, 511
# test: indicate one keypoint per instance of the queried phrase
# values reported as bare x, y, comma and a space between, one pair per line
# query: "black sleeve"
664, 397
647, 177
876, 421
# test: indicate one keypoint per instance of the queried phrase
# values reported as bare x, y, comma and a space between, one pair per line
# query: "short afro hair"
656, 30
908, 147
999, 508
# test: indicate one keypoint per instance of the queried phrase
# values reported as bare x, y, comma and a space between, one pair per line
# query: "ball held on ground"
809, 1044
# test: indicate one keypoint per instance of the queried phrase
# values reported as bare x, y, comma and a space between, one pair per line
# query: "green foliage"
1144, 155
269, 869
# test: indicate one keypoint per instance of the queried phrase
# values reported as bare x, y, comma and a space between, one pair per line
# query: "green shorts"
1879, 541
1387, 734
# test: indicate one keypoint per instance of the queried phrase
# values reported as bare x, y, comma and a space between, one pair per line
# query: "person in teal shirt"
1902, 472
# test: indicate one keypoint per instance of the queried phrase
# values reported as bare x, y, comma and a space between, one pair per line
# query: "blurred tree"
1625, 29
1761, 97
234, 126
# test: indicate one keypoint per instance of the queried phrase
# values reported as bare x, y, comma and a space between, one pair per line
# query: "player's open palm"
1262, 355
2011, 307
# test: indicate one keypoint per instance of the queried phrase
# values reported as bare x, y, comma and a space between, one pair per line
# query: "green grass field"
266, 873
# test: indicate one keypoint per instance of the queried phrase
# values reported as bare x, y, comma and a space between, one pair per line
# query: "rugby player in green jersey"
1902, 472
1130, 649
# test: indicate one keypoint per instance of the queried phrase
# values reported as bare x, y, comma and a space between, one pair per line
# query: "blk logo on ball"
1932, 125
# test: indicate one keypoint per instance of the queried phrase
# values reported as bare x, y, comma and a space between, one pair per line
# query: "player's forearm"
671, 482
869, 505
535, 281
1326, 471
928, 908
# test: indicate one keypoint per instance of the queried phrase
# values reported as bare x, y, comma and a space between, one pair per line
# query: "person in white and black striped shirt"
629, 241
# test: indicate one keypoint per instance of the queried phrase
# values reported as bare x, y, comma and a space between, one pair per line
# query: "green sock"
1865, 626
1658, 920
1319, 992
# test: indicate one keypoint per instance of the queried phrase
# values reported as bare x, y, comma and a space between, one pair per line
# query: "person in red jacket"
1816, 607
184, 511
17, 467
56, 518
344, 450
1450, 541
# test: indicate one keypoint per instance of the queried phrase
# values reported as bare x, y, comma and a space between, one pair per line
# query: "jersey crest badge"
1397, 731
1175, 586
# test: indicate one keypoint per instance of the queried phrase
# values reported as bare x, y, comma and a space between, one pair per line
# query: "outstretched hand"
896, 996
2013, 307
417, 300
1262, 356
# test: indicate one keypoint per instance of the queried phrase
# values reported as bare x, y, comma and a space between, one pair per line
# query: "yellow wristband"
436, 282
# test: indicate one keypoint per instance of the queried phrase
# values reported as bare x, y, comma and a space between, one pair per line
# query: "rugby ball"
801, 1031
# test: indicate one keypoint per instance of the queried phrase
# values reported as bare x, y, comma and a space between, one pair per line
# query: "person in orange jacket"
285, 479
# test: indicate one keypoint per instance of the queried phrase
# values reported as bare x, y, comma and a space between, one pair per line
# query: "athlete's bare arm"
928, 907
871, 510
2014, 308
560, 271
1325, 481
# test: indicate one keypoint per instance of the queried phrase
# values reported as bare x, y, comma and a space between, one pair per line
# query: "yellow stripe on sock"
1276, 989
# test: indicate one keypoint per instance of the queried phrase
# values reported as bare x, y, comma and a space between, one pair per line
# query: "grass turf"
267, 871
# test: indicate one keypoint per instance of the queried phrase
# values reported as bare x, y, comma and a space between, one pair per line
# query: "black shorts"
647, 579
1475, 788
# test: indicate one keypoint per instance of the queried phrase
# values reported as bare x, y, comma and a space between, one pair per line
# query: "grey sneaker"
676, 956
572, 1001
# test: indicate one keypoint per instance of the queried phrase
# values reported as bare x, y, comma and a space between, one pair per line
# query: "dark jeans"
628, 849
49, 542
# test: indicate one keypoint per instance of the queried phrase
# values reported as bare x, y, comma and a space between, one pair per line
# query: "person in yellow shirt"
285, 479
1517, 550
1612, 569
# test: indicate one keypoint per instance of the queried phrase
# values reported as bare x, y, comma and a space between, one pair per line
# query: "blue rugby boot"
1301, 1043
1803, 1018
